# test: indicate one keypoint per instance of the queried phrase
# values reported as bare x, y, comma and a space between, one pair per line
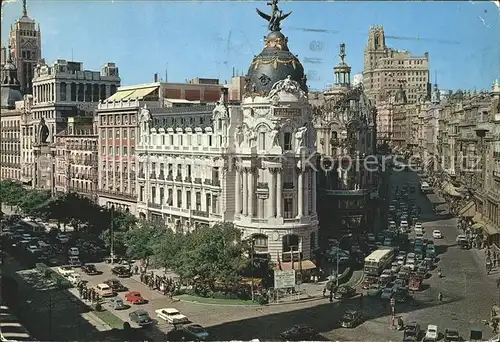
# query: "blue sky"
207, 39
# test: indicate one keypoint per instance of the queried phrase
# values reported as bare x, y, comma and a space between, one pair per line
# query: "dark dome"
9, 97
275, 63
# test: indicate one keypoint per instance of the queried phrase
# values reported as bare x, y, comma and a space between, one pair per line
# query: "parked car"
121, 272
74, 251
374, 290
299, 333
411, 332
344, 292
104, 290
171, 315
452, 335
140, 317
74, 261
118, 304
194, 331
115, 285
135, 297
431, 334
90, 269
351, 319
386, 294
74, 278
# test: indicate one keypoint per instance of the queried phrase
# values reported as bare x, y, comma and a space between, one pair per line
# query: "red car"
134, 297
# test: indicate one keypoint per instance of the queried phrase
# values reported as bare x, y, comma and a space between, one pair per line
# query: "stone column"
272, 194
306, 192
260, 208
245, 192
279, 194
251, 192
238, 191
313, 191
300, 199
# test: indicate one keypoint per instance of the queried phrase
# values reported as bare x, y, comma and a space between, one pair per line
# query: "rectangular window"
153, 194
188, 199
170, 169
179, 170
125, 134
189, 171
141, 193
110, 150
179, 198
103, 133
162, 195
288, 207
198, 201
117, 133
110, 134
262, 141
117, 151
132, 133
171, 139
125, 150
287, 141
104, 150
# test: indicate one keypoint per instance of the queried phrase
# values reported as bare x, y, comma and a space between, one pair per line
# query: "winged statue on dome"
275, 18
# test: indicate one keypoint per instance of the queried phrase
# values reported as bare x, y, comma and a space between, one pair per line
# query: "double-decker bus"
378, 260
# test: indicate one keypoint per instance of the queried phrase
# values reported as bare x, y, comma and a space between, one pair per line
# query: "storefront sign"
287, 112
284, 279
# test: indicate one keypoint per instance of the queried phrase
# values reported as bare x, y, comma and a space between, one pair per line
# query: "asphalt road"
467, 291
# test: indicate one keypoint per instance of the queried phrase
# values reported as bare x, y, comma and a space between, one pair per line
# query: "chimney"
155, 79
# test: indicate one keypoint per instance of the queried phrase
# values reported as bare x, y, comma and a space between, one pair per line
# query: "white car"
172, 316
418, 225
392, 225
26, 236
400, 259
33, 249
431, 333
63, 238
65, 271
411, 264
73, 251
404, 224
436, 234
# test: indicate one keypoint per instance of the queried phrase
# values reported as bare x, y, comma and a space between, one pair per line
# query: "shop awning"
306, 265
129, 93
435, 199
477, 218
449, 189
490, 229
468, 210
477, 225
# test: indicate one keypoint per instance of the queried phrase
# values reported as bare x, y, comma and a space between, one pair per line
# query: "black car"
121, 272
115, 285
140, 317
299, 333
345, 292
351, 319
452, 335
183, 334
411, 332
90, 269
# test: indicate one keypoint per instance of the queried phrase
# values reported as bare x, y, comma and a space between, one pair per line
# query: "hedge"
47, 272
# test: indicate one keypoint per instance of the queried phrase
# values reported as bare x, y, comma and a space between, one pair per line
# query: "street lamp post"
338, 256
252, 245
111, 236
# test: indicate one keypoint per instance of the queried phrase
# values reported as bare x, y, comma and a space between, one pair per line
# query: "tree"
141, 240
34, 202
212, 256
167, 249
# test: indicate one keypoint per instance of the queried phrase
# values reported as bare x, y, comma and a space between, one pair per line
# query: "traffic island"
109, 318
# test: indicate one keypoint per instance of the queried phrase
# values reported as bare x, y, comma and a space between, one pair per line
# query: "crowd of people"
166, 285
87, 294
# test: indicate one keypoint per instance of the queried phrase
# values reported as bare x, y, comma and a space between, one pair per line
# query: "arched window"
262, 137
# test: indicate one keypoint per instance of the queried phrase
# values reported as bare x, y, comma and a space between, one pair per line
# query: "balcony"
161, 176
178, 178
118, 195
141, 175
197, 180
216, 182
154, 205
199, 213
170, 177
188, 180
208, 182
288, 185
152, 175
261, 185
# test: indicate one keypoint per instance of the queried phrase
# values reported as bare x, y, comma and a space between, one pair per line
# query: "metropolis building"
348, 174
246, 163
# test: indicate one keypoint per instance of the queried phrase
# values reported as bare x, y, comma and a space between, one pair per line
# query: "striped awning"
477, 218
469, 210
489, 229
477, 225
129, 93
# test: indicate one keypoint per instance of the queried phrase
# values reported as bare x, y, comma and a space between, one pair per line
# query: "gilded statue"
275, 18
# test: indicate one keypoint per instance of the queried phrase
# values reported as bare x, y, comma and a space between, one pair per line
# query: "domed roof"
10, 85
275, 63
9, 97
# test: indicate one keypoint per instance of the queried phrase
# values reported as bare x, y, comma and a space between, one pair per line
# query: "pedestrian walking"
331, 296
324, 292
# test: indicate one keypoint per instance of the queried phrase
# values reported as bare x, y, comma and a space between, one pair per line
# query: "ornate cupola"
275, 63
342, 70
10, 85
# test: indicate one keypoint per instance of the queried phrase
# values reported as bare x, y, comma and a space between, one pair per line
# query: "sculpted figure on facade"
299, 138
288, 86
251, 138
275, 136
239, 135
43, 133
